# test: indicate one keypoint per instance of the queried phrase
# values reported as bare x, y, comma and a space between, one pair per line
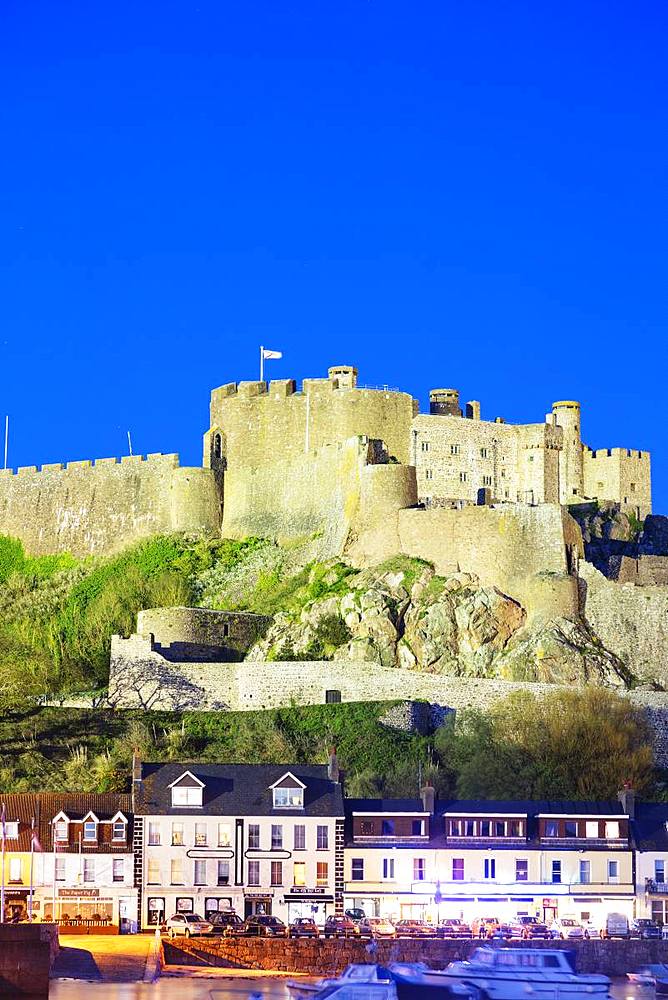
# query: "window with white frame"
119, 830
357, 869
253, 872
224, 835
321, 873
89, 869
154, 834
418, 869
613, 871
12, 830
591, 829
556, 871
90, 831
458, 869
585, 872
200, 834
388, 868
612, 829
489, 868
254, 836
223, 873
61, 827
200, 872
14, 870
118, 870
322, 842
276, 837
186, 795
154, 876
659, 870
299, 873
288, 798
521, 870
60, 870
177, 835
299, 837
176, 871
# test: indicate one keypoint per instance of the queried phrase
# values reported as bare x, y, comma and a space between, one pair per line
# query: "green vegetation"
569, 745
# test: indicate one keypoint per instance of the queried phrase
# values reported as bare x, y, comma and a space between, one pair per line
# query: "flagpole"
261, 363
53, 837
2, 886
32, 862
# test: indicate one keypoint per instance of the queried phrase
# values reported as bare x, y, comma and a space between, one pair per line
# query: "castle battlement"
169, 460
603, 453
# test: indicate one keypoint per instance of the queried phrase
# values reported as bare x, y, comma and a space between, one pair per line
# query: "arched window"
217, 446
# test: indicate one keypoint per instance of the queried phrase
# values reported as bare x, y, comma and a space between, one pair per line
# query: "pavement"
103, 958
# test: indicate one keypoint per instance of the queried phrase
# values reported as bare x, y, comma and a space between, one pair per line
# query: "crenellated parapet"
170, 460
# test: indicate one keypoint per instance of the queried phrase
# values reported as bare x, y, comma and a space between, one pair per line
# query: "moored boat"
651, 975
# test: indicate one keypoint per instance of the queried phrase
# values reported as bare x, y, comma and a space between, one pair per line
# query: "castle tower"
571, 478
444, 402
345, 376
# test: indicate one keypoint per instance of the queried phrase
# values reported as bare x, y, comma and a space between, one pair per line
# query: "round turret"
571, 476
444, 402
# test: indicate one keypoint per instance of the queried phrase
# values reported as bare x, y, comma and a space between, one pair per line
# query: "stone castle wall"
619, 474
102, 506
631, 620
530, 553
323, 493
202, 628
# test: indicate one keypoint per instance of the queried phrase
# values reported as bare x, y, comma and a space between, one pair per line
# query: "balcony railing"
618, 843
659, 888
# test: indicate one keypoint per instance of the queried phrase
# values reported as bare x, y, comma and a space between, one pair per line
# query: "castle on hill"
335, 458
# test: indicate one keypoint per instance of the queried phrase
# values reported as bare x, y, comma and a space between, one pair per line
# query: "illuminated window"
14, 870
591, 828
200, 834
224, 834
154, 871
177, 834
611, 830
322, 873
176, 871
299, 873
186, 795
288, 798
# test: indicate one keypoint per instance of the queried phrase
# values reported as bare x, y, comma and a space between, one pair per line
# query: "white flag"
271, 355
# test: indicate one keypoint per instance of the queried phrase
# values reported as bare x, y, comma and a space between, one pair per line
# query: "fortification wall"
619, 474
323, 493
630, 620
141, 678
263, 423
527, 552
102, 506
202, 627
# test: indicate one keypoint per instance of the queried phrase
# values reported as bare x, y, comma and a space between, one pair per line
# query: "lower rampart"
96, 508
328, 958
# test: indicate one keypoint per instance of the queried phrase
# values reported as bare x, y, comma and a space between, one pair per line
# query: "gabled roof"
649, 824
239, 789
44, 807
90, 815
288, 780
187, 780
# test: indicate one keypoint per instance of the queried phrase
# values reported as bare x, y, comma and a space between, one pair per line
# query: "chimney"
428, 796
627, 797
333, 772
136, 775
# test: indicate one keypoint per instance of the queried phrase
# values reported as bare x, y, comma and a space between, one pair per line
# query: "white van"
616, 926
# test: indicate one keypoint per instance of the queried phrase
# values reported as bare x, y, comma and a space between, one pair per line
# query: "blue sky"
469, 194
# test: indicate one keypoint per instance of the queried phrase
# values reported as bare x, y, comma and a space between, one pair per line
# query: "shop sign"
258, 895
300, 890
79, 893
550, 902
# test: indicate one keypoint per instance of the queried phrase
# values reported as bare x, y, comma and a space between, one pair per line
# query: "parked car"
188, 924
484, 927
591, 930
616, 926
303, 927
528, 928
645, 929
355, 913
567, 928
415, 928
341, 927
226, 922
452, 928
263, 925
377, 927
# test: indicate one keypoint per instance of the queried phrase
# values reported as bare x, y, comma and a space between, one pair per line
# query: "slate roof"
650, 826
238, 790
531, 807
385, 805
44, 806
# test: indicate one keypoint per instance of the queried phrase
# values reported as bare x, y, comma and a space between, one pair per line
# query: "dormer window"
11, 831
187, 791
61, 828
288, 792
119, 828
90, 829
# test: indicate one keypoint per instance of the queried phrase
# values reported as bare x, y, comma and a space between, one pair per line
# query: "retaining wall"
27, 952
611, 958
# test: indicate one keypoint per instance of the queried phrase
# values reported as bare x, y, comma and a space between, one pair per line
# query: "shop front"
161, 906
316, 903
258, 903
16, 905
82, 911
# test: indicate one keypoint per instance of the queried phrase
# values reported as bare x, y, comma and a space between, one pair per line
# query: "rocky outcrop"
451, 625
620, 546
